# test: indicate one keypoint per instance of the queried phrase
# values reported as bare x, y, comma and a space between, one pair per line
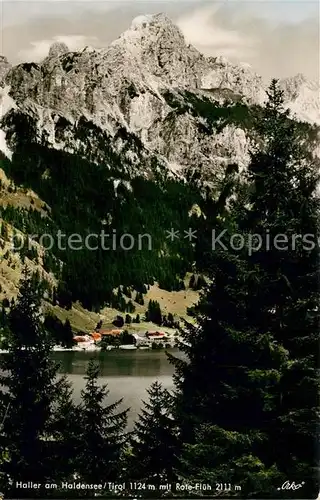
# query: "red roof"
80, 338
96, 335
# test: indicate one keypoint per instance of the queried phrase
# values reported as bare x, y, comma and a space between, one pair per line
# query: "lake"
127, 373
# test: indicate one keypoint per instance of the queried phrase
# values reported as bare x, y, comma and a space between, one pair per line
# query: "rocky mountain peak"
155, 45
303, 96
4, 67
57, 49
3, 60
145, 29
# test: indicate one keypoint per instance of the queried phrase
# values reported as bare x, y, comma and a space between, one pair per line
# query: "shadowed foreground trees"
155, 443
44, 436
102, 437
30, 389
248, 397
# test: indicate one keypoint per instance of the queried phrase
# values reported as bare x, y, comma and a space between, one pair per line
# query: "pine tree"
29, 392
154, 312
65, 427
285, 201
102, 436
139, 298
249, 390
118, 321
192, 281
54, 297
3, 318
155, 442
227, 384
200, 461
99, 325
127, 292
67, 334
130, 308
5, 303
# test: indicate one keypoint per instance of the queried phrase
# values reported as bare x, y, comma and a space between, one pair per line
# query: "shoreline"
98, 349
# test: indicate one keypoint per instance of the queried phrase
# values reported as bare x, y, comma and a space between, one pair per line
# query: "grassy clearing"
19, 197
85, 321
174, 302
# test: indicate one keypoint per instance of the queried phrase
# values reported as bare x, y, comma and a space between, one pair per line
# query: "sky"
278, 38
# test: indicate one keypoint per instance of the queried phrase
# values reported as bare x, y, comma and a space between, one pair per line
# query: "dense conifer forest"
83, 201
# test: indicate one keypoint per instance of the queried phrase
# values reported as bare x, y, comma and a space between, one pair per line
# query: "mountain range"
147, 90
129, 137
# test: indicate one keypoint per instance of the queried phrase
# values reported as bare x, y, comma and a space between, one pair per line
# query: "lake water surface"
127, 373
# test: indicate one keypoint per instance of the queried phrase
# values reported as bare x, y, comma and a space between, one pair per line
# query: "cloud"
273, 44
201, 28
28, 37
40, 48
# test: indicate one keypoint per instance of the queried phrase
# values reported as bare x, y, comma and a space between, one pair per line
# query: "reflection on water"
127, 373
117, 363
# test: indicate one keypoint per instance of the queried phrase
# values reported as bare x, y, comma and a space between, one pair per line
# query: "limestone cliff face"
4, 67
145, 95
